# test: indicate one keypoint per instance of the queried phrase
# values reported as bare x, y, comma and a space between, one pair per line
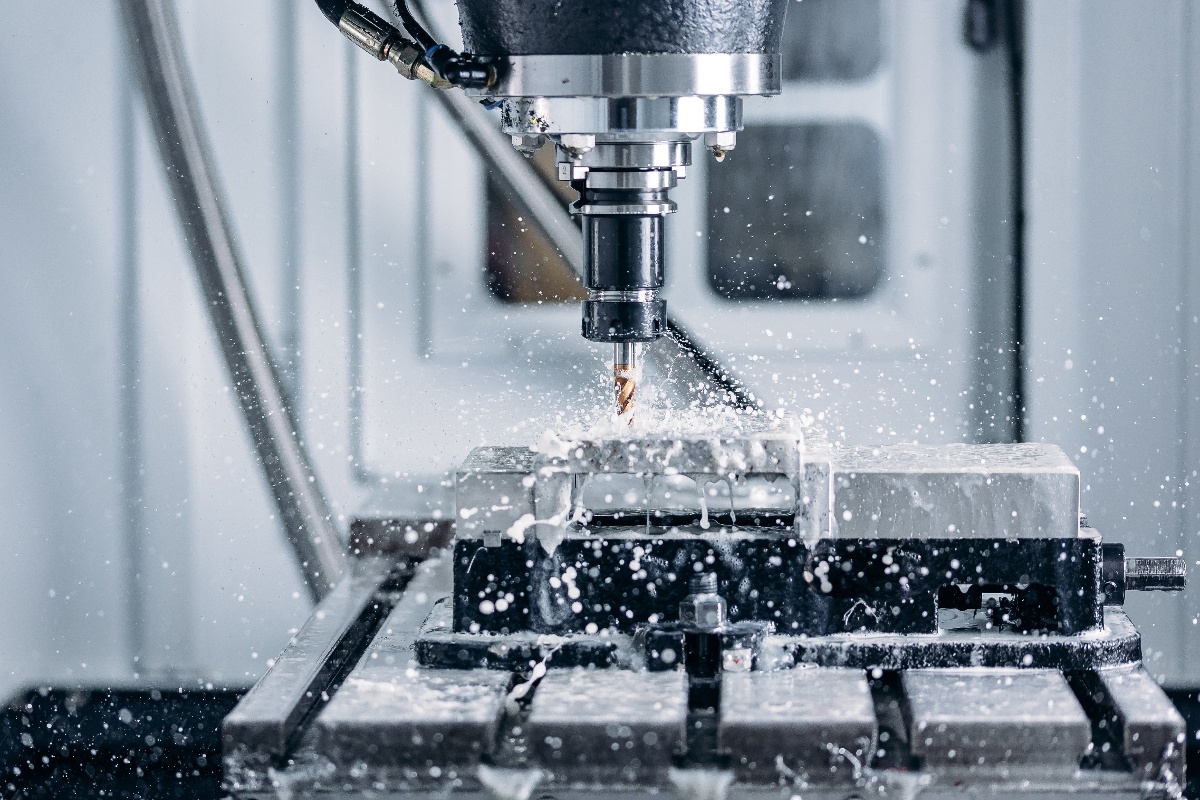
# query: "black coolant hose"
378, 37
413, 25
459, 69
333, 9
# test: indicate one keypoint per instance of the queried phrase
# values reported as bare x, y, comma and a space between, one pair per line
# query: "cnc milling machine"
740, 608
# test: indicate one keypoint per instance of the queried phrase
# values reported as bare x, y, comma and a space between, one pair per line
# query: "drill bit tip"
625, 377
626, 385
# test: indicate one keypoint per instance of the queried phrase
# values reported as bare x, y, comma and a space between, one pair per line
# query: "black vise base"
664, 648
619, 582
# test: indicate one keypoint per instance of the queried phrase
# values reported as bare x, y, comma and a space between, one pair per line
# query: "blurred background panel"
805, 214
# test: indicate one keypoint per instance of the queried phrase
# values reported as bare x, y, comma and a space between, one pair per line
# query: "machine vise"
747, 611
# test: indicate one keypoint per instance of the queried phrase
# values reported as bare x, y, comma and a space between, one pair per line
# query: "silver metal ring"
630, 115
632, 180
633, 155
625, 209
633, 296
638, 75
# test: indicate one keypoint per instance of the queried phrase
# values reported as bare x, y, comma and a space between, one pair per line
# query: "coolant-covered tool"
625, 377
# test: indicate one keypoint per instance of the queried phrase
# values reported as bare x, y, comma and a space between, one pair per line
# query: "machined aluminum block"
494, 490
954, 491
757, 446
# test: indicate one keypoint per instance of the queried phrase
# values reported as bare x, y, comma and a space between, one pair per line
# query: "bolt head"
720, 143
577, 143
725, 140
528, 143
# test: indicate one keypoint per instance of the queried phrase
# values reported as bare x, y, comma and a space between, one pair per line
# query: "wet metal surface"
818, 723
609, 724
987, 719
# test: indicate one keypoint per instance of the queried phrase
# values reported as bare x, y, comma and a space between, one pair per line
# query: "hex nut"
577, 144
720, 143
703, 610
528, 143
726, 140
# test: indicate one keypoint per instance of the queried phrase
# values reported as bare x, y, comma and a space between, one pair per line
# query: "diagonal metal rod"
133, 483
518, 178
152, 32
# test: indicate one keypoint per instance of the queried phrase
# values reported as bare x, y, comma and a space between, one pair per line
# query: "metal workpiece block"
611, 725
747, 446
954, 491
514, 493
682, 500
814, 494
412, 717
1148, 726
493, 489
817, 725
982, 720
552, 494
